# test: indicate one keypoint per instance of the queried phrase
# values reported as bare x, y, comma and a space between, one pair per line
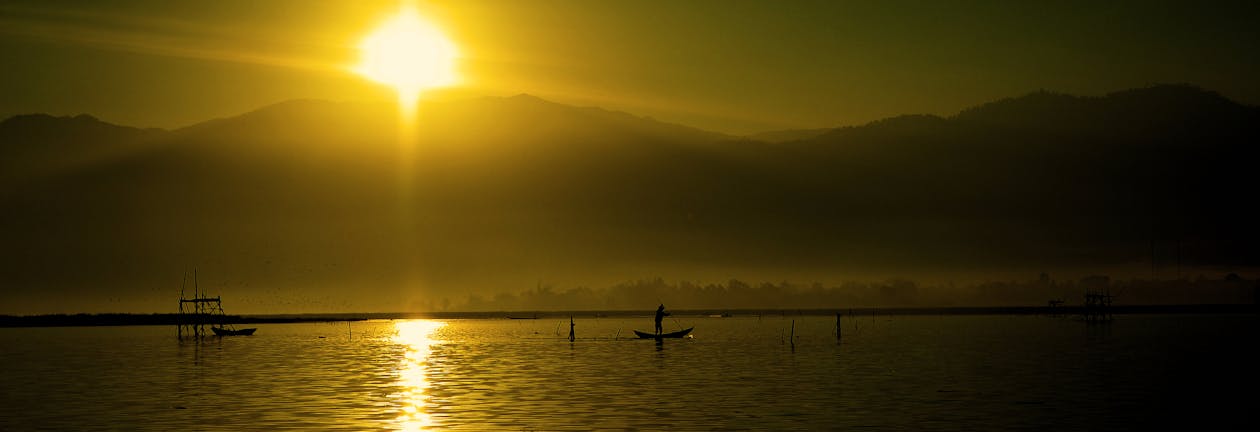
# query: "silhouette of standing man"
660, 314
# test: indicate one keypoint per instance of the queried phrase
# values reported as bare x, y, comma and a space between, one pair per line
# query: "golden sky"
320, 202
730, 66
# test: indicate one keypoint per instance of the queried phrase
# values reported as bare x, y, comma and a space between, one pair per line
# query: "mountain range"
306, 199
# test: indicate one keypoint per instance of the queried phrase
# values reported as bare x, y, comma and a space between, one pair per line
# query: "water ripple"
743, 373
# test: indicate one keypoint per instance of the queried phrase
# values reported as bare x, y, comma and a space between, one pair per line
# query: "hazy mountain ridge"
304, 195
786, 135
35, 145
1156, 104
1161, 164
49, 128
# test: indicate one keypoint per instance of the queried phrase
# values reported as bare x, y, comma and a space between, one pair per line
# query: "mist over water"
994, 372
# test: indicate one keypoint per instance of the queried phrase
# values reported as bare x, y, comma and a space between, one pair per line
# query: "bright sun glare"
410, 54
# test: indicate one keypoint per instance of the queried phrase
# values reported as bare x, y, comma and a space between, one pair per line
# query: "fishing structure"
200, 312
1097, 305
195, 314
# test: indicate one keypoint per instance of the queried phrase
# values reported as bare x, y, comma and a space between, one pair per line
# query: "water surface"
995, 372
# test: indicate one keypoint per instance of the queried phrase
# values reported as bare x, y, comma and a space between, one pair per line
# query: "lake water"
992, 372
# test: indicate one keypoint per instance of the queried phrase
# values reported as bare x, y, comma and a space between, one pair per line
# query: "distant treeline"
120, 319
97, 320
895, 293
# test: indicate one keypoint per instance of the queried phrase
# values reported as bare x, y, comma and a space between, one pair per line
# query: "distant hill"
787, 135
38, 144
307, 195
1049, 177
521, 118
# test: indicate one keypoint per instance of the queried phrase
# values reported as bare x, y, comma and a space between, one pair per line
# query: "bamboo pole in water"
792, 336
837, 326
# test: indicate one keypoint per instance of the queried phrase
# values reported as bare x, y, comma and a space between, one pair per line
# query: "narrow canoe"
677, 334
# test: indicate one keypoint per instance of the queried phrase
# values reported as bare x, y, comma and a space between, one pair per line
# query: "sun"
410, 54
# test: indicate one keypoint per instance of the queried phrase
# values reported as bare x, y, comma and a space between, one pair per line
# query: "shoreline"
123, 319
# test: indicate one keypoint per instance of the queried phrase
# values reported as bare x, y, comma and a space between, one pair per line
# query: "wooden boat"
677, 334
223, 331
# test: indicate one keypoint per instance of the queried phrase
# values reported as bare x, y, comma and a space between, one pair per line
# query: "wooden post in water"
791, 335
837, 326
571, 338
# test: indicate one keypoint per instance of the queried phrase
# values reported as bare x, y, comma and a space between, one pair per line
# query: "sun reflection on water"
413, 372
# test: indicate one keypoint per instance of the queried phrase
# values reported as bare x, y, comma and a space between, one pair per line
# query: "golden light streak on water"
413, 373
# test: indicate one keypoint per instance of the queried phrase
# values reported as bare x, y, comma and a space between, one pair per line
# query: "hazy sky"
731, 66
320, 204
